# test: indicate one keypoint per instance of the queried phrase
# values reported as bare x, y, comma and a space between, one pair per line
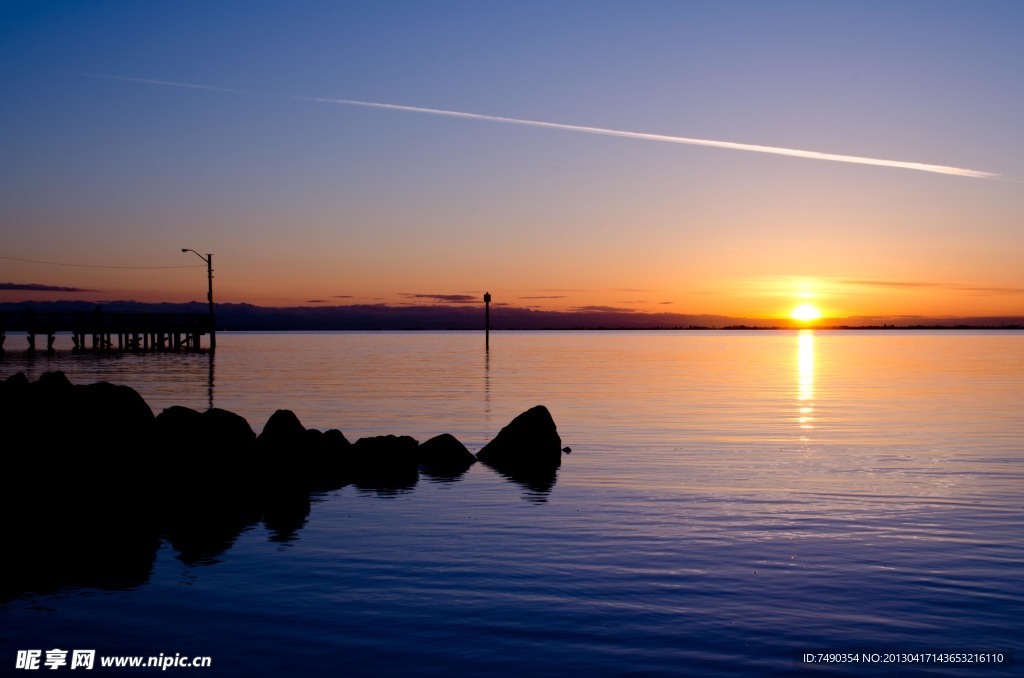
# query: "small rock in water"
445, 451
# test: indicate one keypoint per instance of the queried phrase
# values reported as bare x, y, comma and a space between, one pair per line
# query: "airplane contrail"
736, 146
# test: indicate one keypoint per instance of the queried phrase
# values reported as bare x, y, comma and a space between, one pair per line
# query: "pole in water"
487, 320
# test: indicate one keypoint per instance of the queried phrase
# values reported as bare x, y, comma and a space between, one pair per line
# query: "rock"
331, 461
385, 462
228, 430
209, 494
50, 383
283, 429
284, 453
335, 440
529, 442
78, 497
113, 409
377, 449
17, 381
105, 434
445, 452
294, 456
14, 405
207, 452
444, 458
177, 418
213, 431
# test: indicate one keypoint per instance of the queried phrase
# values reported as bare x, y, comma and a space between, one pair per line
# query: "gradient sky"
302, 200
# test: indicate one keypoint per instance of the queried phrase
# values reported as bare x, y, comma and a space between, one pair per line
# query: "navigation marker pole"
487, 321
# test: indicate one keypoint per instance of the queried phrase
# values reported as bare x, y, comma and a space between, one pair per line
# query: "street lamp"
209, 295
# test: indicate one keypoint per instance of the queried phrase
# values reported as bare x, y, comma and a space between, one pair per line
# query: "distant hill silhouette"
470, 317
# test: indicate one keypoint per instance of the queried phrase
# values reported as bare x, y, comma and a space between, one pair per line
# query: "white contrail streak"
774, 150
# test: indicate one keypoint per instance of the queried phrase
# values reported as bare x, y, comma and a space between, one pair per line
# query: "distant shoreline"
470, 317
952, 328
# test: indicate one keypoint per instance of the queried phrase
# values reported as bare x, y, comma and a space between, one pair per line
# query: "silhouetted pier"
101, 331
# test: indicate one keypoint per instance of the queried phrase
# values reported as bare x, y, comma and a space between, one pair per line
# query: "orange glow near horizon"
789, 300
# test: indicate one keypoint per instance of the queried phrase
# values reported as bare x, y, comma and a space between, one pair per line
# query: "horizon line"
582, 311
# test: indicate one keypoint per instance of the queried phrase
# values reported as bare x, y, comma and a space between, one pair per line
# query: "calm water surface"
731, 497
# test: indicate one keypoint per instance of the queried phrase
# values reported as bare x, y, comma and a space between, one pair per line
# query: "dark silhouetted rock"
294, 456
50, 383
227, 429
77, 506
16, 380
209, 488
284, 452
118, 401
530, 441
335, 440
330, 461
212, 447
283, 429
528, 452
178, 421
114, 416
444, 456
14, 407
385, 462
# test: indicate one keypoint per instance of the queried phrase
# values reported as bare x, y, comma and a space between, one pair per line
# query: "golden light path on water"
805, 380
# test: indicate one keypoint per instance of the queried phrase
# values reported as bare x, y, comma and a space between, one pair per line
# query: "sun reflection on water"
805, 379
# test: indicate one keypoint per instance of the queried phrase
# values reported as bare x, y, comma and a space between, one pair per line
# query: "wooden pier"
110, 332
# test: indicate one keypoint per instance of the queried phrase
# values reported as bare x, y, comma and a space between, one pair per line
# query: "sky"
561, 155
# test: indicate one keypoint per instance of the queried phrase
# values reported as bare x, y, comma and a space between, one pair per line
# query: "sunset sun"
805, 313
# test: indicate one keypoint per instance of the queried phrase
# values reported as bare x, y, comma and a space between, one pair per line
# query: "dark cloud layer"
36, 287
445, 298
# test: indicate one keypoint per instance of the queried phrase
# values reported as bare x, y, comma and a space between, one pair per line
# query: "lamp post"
209, 295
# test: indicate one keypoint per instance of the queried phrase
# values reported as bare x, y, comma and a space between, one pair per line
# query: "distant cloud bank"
37, 287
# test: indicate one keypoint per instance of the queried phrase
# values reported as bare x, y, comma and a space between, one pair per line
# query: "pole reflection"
805, 380
487, 382
209, 383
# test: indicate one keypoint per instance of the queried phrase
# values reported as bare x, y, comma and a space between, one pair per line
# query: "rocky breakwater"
92, 482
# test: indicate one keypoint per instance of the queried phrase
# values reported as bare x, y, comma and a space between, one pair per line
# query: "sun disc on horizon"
805, 313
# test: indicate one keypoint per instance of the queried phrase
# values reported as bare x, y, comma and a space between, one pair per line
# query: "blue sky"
302, 200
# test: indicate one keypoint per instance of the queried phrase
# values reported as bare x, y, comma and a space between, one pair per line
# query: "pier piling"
134, 331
